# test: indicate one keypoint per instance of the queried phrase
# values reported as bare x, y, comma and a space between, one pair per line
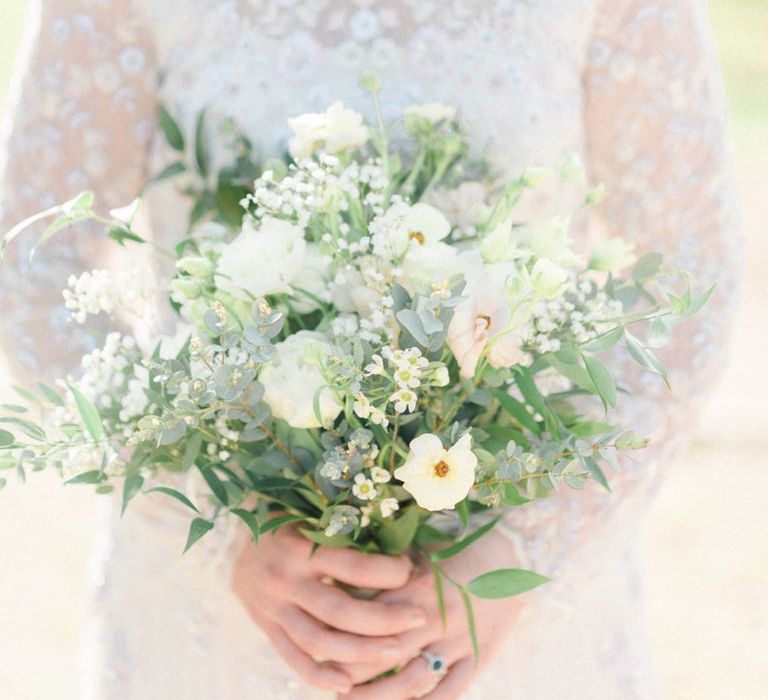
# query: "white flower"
337, 129
548, 279
482, 322
291, 381
404, 400
434, 263
550, 239
403, 225
364, 488
379, 475
497, 246
350, 293
313, 279
438, 478
432, 112
612, 255
263, 261
388, 506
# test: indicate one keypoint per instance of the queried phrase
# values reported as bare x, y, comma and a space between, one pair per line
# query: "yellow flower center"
484, 322
442, 468
417, 236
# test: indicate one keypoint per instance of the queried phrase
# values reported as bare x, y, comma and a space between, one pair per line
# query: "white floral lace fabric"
630, 85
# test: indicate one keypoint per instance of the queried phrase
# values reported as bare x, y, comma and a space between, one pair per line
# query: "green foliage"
504, 583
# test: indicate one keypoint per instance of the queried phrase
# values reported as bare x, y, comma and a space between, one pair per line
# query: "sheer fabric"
630, 85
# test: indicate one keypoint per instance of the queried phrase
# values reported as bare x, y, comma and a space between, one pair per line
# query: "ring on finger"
436, 664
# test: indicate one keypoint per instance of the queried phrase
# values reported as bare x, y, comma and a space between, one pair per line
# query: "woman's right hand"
285, 588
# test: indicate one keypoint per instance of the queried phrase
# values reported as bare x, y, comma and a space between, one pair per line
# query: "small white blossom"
364, 488
388, 506
380, 476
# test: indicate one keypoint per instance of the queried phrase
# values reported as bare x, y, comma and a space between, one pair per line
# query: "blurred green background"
706, 542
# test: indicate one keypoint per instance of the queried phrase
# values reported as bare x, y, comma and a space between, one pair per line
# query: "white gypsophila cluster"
126, 292
316, 184
108, 369
576, 315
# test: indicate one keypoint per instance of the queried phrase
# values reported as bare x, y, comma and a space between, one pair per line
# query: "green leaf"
591, 427
517, 410
169, 171
201, 149
27, 427
170, 129
504, 583
14, 408
335, 541
198, 528
95, 476
216, 485
396, 535
120, 235
461, 545
644, 356
6, 439
462, 508
512, 496
647, 266
440, 591
173, 493
28, 395
602, 379
280, 521
605, 341
131, 487
51, 394
527, 385
88, 414
250, 520
426, 536
470, 622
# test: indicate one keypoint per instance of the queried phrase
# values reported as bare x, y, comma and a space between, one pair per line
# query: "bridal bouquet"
382, 341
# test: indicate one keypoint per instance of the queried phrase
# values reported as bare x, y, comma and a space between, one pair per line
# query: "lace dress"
630, 85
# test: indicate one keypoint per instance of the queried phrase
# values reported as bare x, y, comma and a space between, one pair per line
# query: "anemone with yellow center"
438, 478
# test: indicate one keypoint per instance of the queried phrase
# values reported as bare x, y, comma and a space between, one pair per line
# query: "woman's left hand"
494, 620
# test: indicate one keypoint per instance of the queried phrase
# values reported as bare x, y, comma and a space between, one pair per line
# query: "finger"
414, 681
322, 643
317, 675
458, 680
449, 650
340, 610
361, 569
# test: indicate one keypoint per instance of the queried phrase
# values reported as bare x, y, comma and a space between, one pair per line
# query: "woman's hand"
494, 620
281, 583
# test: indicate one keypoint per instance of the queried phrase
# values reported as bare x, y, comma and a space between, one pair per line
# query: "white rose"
481, 322
438, 478
612, 255
404, 225
263, 261
291, 380
432, 112
337, 129
433, 264
350, 294
548, 279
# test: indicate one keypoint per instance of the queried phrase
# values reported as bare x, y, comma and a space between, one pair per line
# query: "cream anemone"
438, 478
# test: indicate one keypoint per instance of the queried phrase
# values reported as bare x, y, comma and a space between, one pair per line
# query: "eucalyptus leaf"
504, 583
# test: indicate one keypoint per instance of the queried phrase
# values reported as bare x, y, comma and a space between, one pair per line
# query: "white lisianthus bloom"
612, 255
438, 478
291, 380
313, 279
548, 279
403, 225
550, 239
337, 129
481, 323
351, 294
263, 261
434, 263
432, 112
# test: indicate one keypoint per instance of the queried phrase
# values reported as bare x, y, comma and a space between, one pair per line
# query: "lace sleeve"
655, 123
81, 116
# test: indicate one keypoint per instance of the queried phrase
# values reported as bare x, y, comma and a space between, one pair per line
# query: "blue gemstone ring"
435, 663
